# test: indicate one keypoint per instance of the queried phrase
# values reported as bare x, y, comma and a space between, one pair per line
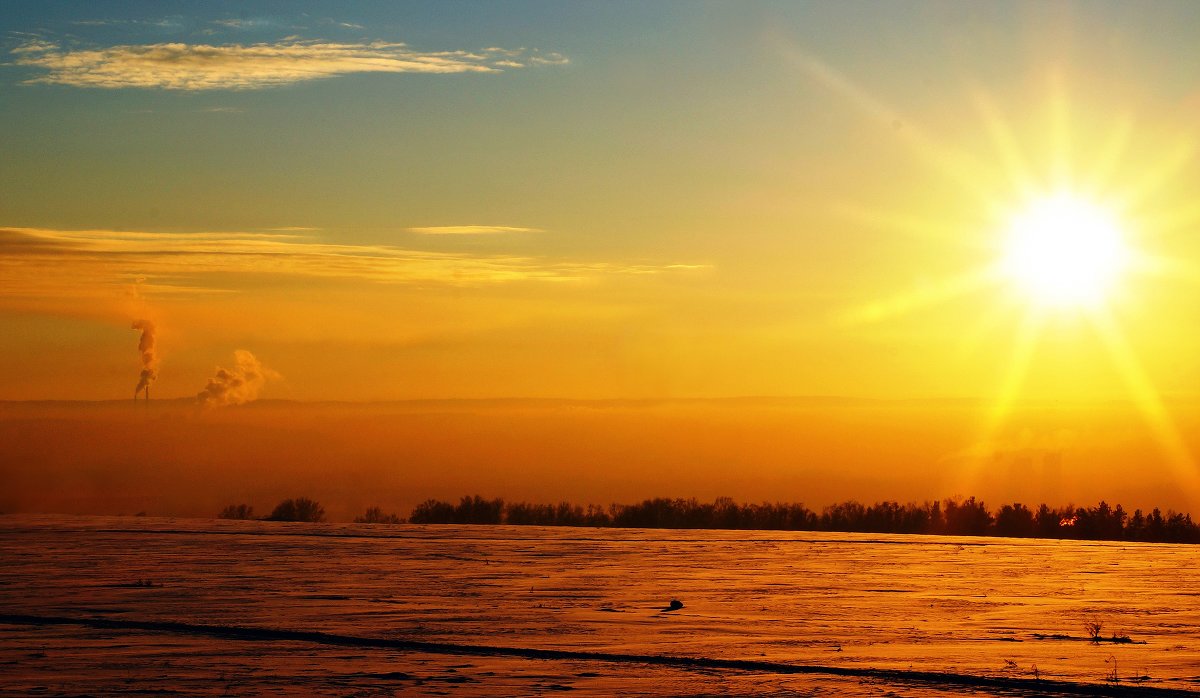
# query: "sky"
606, 200
610, 200
170, 460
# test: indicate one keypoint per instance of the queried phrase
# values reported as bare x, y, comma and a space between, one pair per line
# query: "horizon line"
812, 398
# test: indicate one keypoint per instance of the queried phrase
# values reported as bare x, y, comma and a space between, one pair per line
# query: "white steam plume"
238, 385
149, 357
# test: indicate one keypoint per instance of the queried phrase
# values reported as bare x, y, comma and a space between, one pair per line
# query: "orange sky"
178, 459
609, 202
814, 208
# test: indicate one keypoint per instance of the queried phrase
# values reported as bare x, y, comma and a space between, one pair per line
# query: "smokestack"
149, 358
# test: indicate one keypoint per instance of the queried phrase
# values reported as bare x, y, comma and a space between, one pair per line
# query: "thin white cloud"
471, 230
251, 23
42, 263
551, 58
180, 66
163, 23
338, 23
35, 46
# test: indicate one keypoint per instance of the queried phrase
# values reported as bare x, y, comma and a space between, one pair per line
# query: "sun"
1064, 251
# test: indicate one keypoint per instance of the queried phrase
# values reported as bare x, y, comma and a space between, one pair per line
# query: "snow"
969, 608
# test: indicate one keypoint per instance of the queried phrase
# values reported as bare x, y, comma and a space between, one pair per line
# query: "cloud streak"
471, 230
181, 66
40, 263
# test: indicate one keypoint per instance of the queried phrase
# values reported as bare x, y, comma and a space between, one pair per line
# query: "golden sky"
605, 201
176, 460
785, 201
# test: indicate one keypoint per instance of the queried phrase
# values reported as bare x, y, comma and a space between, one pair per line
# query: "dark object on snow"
675, 605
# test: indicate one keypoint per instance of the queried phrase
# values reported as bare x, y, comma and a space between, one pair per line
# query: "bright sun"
1064, 251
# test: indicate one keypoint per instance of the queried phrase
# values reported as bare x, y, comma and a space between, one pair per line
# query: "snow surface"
967, 608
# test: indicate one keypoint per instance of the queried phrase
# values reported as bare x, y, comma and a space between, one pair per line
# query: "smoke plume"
238, 385
149, 357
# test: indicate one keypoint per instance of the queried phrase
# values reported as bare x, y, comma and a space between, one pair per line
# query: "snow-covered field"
106, 605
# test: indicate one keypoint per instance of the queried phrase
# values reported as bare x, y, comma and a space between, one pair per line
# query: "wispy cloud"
338, 23
162, 23
35, 46
180, 66
551, 58
59, 263
253, 23
471, 230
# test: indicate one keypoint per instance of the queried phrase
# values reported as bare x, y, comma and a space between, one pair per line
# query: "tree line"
962, 517
304, 510
299, 509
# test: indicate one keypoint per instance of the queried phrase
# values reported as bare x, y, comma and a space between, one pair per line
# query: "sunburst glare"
1064, 251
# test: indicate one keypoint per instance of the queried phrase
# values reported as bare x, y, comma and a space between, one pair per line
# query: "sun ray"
1171, 220
1024, 343
1098, 177
917, 227
1167, 268
925, 295
1147, 400
1060, 134
1020, 173
944, 160
988, 323
1134, 195
1073, 223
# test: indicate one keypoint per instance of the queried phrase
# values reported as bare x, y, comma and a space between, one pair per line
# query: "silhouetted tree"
298, 509
951, 517
477, 510
375, 515
432, 511
561, 514
1014, 520
1156, 527
1136, 528
1051, 523
469, 510
966, 518
237, 511
844, 516
1100, 522
937, 519
1180, 529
